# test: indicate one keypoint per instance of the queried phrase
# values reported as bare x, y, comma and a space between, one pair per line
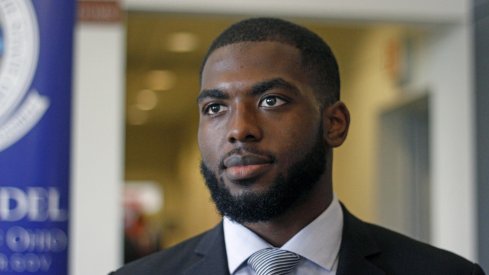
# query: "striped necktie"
273, 261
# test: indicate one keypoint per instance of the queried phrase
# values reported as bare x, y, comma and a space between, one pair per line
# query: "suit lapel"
211, 252
357, 246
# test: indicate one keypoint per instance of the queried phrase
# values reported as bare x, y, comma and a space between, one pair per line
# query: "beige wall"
368, 85
170, 157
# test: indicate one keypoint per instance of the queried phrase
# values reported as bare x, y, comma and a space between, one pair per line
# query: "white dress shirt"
318, 243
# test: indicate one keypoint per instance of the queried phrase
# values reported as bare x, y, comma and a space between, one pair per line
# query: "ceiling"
151, 47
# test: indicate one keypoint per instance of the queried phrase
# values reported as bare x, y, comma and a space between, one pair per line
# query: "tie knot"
273, 261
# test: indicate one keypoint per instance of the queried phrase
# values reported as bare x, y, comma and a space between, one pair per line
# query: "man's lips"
243, 160
242, 167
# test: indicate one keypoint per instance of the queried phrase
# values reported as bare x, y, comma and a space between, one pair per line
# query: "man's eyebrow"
266, 85
212, 93
256, 89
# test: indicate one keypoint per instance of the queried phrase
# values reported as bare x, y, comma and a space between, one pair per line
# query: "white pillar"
453, 204
96, 224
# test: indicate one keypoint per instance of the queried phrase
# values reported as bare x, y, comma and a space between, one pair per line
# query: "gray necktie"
273, 261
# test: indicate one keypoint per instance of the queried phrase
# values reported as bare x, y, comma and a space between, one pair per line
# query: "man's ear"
336, 121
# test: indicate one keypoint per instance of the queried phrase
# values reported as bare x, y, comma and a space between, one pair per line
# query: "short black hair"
318, 60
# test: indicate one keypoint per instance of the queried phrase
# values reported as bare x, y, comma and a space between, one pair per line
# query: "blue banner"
36, 41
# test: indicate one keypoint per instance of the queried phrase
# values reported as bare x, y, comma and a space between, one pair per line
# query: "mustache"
245, 150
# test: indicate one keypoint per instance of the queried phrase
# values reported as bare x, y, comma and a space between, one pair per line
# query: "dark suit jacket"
365, 249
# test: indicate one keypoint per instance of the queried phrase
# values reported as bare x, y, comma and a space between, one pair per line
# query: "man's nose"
244, 126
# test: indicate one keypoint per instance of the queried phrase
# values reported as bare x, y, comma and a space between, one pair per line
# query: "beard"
286, 191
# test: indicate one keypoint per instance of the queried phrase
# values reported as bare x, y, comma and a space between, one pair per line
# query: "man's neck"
281, 229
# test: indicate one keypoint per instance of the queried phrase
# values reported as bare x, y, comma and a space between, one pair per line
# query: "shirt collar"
318, 242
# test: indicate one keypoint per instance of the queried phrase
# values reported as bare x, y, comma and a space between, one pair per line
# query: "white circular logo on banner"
20, 108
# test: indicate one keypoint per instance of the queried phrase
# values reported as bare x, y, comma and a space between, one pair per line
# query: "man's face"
260, 128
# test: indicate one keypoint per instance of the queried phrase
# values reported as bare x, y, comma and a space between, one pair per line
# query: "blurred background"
411, 76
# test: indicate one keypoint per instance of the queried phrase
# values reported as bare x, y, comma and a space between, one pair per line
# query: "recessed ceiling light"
182, 42
146, 100
161, 80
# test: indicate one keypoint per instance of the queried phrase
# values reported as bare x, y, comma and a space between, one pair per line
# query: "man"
270, 116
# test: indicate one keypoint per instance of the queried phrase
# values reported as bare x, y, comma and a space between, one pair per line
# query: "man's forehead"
250, 59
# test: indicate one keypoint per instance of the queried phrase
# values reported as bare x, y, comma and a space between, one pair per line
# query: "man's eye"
272, 101
214, 108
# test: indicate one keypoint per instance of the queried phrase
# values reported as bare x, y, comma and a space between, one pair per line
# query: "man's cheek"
209, 157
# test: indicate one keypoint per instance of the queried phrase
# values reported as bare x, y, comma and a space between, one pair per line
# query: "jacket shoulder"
399, 252
168, 261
